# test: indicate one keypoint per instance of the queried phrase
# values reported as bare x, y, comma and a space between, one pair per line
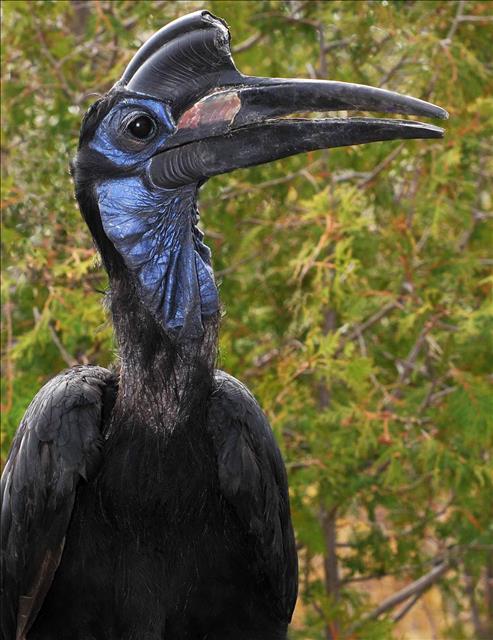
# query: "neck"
162, 377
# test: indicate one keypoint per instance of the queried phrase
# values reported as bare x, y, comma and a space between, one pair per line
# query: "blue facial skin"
155, 230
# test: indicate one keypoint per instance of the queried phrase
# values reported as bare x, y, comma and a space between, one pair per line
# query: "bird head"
182, 113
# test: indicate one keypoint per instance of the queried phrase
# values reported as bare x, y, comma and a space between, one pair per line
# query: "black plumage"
151, 502
180, 527
58, 443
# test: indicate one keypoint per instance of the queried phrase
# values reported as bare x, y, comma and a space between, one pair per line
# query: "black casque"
151, 502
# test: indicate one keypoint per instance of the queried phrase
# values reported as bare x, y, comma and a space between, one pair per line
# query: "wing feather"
58, 441
253, 479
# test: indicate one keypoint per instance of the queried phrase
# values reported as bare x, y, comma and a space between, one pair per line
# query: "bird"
150, 501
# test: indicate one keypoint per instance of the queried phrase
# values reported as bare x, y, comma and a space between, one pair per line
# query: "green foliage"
356, 283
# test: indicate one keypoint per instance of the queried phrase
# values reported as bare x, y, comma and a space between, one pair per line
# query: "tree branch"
67, 358
477, 215
335, 44
359, 329
235, 192
416, 588
331, 568
406, 608
455, 22
393, 70
407, 365
381, 166
64, 86
469, 18
248, 43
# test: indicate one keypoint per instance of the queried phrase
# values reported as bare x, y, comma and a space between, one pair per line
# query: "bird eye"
142, 127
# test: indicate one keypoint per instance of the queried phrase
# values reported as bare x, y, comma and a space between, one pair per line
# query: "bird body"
152, 502
180, 525
154, 520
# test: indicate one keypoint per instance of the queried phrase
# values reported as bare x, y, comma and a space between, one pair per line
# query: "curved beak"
226, 120
246, 125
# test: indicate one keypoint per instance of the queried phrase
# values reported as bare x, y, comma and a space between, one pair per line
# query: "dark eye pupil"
142, 127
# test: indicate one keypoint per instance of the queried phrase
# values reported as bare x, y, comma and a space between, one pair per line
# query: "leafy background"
356, 285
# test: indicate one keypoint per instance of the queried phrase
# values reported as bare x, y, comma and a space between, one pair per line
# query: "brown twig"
432, 515
427, 400
473, 606
406, 608
234, 267
304, 464
441, 394
394, 69
335, 44
66, 357
249, 42
407, 365
381, 166
469, 18
56, 68
476, 214
455, 22
361, 328
331, 569
234, 192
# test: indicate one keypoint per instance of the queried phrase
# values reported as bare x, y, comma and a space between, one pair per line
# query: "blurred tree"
356, 285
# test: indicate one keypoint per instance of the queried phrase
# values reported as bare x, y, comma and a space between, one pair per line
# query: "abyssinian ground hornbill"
153, 504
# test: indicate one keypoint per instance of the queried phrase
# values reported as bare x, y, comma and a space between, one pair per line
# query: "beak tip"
436, 132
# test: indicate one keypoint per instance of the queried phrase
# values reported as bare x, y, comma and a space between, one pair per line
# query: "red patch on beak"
219, 107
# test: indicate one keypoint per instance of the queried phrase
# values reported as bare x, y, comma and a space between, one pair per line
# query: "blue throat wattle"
157, 236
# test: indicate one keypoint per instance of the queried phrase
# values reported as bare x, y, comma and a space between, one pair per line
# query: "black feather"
58, 442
